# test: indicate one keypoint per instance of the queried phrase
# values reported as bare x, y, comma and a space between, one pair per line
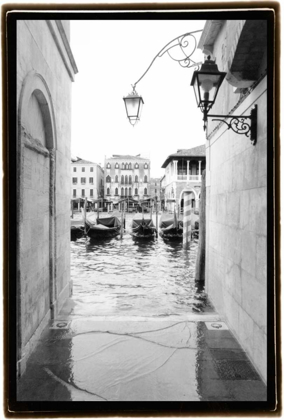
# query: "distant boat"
171, 227
103, 227
143, 228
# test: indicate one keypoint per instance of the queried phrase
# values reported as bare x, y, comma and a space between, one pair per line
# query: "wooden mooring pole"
186, 219
122, 223
200, 260
157, 217
85, 215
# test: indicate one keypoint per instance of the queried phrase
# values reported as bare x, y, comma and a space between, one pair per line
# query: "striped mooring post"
186, 219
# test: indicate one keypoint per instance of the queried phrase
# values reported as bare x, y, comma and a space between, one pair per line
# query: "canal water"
131, 277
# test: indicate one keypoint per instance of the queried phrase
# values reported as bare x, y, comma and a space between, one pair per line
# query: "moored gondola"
142, 228
171, 227
103, 227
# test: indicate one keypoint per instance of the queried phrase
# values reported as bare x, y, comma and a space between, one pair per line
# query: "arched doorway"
36, 253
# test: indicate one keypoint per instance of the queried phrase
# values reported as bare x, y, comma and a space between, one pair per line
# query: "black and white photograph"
141, 221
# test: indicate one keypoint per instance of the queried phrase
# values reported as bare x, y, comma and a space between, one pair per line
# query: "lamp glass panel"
196, 91
132, 106
140, 109
209, 85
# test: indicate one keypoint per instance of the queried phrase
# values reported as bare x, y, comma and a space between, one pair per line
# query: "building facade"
155, 188
236, 185
45, 70
127, 177
183, 171
87, 180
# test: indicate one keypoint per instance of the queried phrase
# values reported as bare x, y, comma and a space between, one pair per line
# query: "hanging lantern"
133, 104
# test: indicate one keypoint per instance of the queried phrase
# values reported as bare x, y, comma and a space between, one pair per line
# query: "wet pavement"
178, 358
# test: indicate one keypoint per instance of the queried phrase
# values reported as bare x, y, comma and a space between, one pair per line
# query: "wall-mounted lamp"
206, 83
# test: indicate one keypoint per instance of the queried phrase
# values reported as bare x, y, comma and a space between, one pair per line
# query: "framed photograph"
141, 209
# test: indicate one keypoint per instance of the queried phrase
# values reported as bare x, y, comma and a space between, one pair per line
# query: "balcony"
189, 178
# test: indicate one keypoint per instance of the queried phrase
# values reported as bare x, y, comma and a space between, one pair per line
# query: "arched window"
116, 178
145, 191
130, 179
108, 166
122, 179
108, 191
136, 191
146, 166
116, 166
108, 179
129, 192
125, 192
145, 178
122, 166
122, 192
116, 191
126, 166
136, 165
130, 166
126, 179
136, 178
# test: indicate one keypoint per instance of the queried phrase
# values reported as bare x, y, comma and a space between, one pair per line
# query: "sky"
111, 55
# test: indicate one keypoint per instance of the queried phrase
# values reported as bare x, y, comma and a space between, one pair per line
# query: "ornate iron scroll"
238, 123
181, 44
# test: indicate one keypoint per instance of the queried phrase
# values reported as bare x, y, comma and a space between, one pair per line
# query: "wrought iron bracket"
240, 124
180, 44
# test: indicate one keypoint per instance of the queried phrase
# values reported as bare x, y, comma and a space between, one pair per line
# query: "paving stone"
253, 390
235, 369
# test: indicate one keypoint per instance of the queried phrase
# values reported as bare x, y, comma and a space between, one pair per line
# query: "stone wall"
236, 216
45, 69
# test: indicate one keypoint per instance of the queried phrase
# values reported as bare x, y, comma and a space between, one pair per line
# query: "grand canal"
134, 277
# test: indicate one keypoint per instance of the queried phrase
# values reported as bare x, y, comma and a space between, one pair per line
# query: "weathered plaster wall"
236, 219
44, 101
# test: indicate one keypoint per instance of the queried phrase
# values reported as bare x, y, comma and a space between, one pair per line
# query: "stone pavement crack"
138, 332
134, 336
129, 379
105, 347
69, 386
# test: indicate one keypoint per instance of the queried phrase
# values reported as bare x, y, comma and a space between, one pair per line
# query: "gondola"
103, 227
76, 229
171, 227
142, 228
76, 233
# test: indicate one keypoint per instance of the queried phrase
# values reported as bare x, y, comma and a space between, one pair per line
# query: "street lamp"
206, 83
133, 104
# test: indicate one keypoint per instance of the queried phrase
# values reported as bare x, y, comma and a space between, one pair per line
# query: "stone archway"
36, 286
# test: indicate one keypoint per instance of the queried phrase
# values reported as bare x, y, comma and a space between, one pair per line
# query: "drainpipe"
52, 282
